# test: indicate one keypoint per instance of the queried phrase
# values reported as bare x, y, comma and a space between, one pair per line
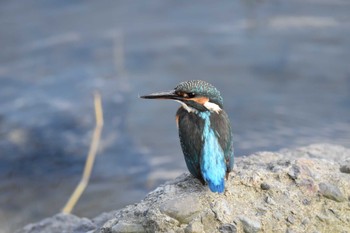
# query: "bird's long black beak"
162, 95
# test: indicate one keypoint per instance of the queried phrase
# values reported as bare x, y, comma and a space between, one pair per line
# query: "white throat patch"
188, 108
212, 107
209, 105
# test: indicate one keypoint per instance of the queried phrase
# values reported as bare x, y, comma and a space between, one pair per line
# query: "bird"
204, 131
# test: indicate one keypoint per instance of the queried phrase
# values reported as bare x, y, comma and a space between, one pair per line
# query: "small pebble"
261, 211
322, 218
265, 186
291, 219
250, 226
294, 172
331, 192
277, 215
345, 168
270, 201
305, 221
194, 227
306, 201
227, 228
222, 211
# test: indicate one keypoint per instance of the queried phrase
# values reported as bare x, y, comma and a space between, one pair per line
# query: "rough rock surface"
302, 190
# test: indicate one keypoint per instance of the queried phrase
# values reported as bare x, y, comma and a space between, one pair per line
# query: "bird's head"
194, 95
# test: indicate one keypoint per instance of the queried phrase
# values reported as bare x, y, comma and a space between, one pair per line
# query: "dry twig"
90, 158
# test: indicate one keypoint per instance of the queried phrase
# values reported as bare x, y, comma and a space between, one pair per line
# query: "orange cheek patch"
200, 100
177, 121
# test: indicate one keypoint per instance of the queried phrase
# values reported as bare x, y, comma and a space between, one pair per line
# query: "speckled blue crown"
201, 88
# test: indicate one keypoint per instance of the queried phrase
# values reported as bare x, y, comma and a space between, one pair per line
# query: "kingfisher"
204, 131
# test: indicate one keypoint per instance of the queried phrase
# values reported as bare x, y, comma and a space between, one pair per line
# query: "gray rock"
261, 210
227, 228
331, 192
277, 215
323, 218
209, 221
270, 201
345, 167
294, 172
305, 221
181, 208
222, 211
184, 205
60, 223
250, 225
194, 227
265, 186
306, 201
291, 219
124, 227
155, 221
103, 218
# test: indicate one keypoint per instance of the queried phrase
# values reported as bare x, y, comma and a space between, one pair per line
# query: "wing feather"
190, 126
221, 123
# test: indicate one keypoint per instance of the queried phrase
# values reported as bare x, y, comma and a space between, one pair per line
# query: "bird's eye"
179, 93
191, 95
185, 94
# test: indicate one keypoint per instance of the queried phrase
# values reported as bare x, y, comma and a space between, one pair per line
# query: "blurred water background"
281, 66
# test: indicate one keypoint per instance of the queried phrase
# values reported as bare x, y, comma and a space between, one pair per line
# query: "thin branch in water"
90, 158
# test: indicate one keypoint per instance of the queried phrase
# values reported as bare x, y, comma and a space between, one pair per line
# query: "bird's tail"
217, 188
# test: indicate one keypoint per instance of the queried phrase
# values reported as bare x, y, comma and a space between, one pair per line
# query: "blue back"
212, 164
